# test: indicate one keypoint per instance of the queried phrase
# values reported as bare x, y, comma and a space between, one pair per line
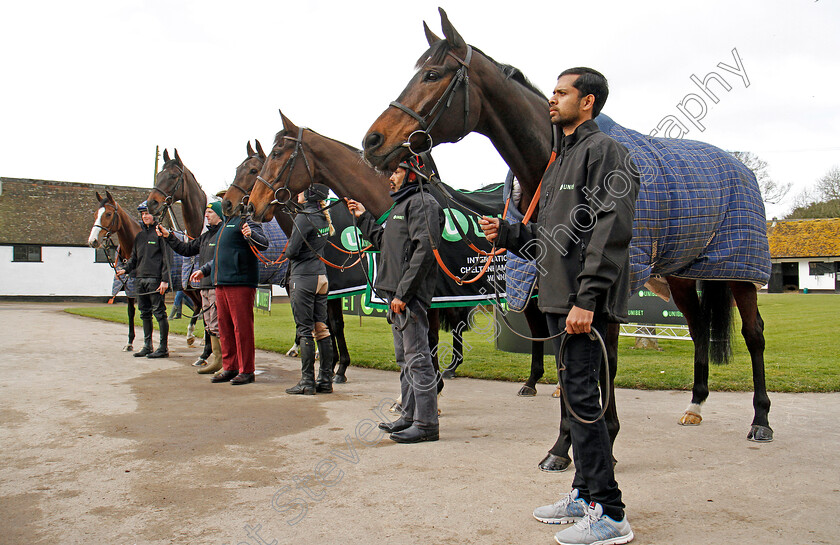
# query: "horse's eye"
431, 75
254, 171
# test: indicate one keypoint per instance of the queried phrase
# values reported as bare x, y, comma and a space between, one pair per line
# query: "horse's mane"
279, 137
437, 53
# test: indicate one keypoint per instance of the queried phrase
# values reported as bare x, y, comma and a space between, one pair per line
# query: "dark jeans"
418, 378
150, 303
594, 477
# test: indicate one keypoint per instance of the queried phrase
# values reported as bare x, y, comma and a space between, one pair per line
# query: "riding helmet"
143, 207
415, 168
316, 192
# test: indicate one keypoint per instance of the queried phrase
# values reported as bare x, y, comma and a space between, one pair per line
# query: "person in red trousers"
235, 273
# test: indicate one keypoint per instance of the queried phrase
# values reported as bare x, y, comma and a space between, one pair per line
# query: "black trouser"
591, 448
150, 303
308, 306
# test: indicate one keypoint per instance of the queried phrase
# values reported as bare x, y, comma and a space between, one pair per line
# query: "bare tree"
772, 192
828, 187
823, 201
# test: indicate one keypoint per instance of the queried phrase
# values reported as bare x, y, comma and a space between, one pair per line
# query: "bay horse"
235, 202
111, 219
497, 101
174, 183
296, 164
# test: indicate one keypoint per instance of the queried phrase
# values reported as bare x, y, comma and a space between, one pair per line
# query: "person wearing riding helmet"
151, 261
204, 246
308, 289
407, 277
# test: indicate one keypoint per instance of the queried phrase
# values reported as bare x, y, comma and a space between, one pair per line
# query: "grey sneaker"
569, 508
596, 528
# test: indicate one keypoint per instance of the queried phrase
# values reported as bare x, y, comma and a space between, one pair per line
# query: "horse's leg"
340, 352
194, 296
539, 330
746, 296
458, 318
294, 351
684, 292
130, 310
457, 349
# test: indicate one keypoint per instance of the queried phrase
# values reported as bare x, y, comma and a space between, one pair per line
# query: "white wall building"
44, 229
805, 255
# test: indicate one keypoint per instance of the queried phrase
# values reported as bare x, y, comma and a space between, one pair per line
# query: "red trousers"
236, 327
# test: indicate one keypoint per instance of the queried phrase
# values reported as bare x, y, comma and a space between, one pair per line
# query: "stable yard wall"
63, 271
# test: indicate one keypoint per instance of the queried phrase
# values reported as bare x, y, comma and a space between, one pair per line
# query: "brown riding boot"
217, 357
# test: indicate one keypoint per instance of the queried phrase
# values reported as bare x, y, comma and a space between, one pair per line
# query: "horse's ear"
176, 156
250, 149
288, 126
98, 197
431, 37
260, 151
455, 40
110, 198
165, 155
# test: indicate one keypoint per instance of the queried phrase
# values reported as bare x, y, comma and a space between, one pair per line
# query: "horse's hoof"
760, 434
293, 353
690, 419
339, 379
558, 393
527, 391
190, 340
448, 373
554, 464
128, 348
396, 408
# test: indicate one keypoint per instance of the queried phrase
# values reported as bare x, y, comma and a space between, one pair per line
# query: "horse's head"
107, 219
238, 194
169, 183
287, 171
437, 105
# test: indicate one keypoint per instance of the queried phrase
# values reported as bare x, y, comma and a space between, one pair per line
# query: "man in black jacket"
581, 245
203, 247
406, 278
152, 262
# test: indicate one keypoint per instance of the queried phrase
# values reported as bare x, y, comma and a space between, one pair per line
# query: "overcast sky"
90, 87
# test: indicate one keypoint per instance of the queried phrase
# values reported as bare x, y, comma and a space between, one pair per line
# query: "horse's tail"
455, 319
716, 308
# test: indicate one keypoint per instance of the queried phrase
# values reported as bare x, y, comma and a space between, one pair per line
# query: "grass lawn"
801, 355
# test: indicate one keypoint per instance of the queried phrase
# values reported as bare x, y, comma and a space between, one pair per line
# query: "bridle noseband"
461, 76
288, 167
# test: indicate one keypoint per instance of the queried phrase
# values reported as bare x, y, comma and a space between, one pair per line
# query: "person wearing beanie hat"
407, 277
308, 288
216, 206
203, 247
152, 262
